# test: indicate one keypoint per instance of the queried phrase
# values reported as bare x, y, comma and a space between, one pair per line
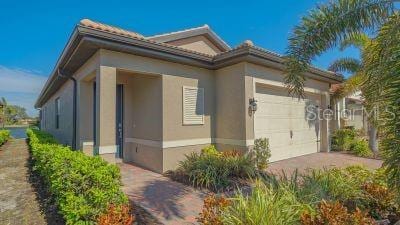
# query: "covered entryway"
290, 124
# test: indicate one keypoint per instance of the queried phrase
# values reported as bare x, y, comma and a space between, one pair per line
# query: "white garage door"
291, 125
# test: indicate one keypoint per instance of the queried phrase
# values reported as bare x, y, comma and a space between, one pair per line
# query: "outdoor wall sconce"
253, 104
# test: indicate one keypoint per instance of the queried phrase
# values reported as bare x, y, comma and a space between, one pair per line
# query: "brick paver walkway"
170, 202
18, 203
321, 160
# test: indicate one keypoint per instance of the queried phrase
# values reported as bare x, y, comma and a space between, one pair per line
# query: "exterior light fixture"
253, 104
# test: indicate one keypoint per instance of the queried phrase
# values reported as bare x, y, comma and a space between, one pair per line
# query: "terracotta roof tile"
108, 28
335, 87
115, 30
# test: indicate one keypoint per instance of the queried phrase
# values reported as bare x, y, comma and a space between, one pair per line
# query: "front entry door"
120, 121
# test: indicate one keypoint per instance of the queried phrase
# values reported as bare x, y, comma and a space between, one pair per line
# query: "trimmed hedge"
4, 136
82, 186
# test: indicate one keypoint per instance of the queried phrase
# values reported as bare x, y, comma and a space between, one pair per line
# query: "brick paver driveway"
321, 160
168, 201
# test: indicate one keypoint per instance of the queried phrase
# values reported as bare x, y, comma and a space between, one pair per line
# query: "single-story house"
151, 100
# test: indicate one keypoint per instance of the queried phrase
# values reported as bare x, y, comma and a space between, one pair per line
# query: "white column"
106, 112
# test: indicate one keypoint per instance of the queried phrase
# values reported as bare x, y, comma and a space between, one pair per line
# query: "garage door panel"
272, 109
284, 121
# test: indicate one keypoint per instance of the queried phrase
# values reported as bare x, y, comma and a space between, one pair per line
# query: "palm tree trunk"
372, 140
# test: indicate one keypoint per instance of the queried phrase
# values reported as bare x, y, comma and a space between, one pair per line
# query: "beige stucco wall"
230, 102
85, 122
145, 156
153, 106
174, 77
143, 107
197, 43
355, 118
172, 88
64, 133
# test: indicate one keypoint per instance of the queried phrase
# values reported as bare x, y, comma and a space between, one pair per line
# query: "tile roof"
205, 29
115, 30
177, 32
118, 31
108, 28
335, 87
250, 44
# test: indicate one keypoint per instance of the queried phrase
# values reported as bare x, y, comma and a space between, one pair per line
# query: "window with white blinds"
193, 105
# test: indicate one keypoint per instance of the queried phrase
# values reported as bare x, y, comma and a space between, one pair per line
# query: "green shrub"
82, 186
360, 147
262, 153
210, 150
342, 139
213, 169
4, 136
265, 206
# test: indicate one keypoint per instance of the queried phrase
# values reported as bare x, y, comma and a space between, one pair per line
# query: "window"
57, 113
193, 106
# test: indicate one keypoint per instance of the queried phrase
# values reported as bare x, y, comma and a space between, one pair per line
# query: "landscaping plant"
264, 206
214, 170
4, 136
360, 147
212, 210
262, 153
381, 201
335, 213
120, 215
342, 139
83, 187
353, 195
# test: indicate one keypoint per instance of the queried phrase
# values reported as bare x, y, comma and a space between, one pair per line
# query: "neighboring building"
151, 100
349, 111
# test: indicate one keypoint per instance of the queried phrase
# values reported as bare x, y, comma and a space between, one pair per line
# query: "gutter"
74, 107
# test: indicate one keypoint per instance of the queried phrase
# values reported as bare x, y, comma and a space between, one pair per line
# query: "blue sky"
33, 33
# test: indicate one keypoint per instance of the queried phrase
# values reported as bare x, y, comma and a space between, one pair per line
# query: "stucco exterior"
154, 134
48, 123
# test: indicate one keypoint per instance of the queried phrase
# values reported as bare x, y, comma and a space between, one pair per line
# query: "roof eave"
259, 56
73, 39
153, 49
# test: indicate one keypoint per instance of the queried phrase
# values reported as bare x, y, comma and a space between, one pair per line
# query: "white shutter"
193, 105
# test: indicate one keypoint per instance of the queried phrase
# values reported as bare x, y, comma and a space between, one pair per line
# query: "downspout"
74, 110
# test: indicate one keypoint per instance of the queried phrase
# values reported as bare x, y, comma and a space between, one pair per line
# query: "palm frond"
345, 65
358, 40
324, 28
350, 86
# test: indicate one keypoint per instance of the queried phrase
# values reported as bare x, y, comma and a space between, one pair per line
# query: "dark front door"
120, 120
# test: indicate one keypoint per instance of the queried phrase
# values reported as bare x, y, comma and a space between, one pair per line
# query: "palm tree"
330, 24
355, 82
